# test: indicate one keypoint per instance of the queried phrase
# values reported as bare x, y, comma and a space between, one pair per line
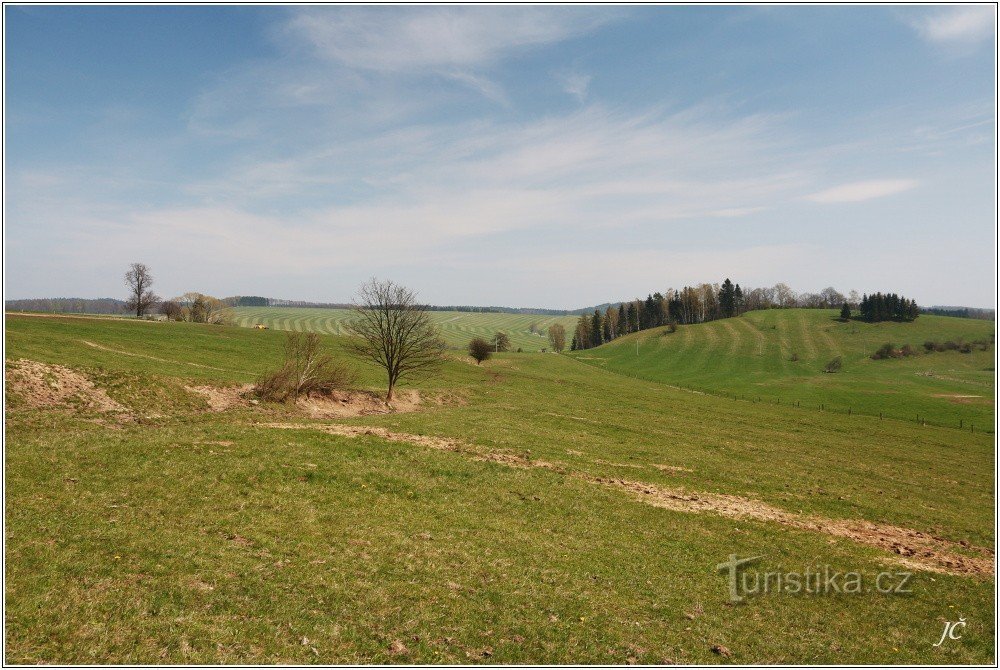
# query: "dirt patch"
430, 441
671, 468
911, 547
222, 398
44, 385
342, 404
915, 548
957, 398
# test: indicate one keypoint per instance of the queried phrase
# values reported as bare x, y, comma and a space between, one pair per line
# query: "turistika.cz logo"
744, 581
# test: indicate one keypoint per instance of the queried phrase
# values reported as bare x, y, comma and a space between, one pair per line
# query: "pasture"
457, 328
751, 357
531, 510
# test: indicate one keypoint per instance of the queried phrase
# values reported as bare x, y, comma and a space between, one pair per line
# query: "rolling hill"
779, 356
457, 328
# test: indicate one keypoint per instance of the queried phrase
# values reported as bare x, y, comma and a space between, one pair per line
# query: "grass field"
457, 328
542, 511
751, 356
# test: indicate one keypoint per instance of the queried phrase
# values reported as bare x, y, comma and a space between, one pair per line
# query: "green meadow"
539, 508
457, 328
780, 356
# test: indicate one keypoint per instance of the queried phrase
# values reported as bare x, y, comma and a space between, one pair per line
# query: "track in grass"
457, 328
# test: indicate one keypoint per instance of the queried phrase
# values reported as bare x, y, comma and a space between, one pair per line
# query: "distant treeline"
67, 305
259, 301
961, 312
707, 302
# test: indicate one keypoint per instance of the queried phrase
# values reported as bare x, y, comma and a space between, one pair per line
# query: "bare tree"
394, 332
557, 337
783, 295
171, 309
139, 281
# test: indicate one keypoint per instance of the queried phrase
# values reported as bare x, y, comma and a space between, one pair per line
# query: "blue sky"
543, 156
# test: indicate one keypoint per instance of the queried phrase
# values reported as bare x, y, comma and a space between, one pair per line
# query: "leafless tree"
557, 337
201, 308
783, 295
139, 281
394, 332
171, 309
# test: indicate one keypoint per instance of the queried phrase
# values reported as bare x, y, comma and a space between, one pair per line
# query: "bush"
306, 370
794, 357
930, 346
966, 348
480, 350
949, 346
887, 350
672, 326
907, 351
834, 365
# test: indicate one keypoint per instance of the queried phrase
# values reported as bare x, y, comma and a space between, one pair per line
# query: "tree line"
707, 302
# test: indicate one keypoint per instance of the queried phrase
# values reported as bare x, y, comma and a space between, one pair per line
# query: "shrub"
794, 357
930, 346
834, 365
672, 326
306, 370
480, 350
887, 350
966, 348
907, 350
950, 345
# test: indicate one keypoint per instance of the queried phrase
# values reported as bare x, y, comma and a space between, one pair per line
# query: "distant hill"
780, 355
961, 312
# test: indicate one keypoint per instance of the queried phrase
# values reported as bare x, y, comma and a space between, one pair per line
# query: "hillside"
752, 357
457, 328
531, 510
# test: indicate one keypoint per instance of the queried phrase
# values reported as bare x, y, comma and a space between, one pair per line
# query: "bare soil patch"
222, 398
913, 548
343, 404
45, 385
958, 398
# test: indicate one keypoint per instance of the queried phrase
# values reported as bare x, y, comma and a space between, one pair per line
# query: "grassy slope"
152, 544
457, 328
751, 356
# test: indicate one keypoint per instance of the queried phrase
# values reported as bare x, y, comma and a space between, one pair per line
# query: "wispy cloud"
394, 39
575, 84
957, 27
860, 191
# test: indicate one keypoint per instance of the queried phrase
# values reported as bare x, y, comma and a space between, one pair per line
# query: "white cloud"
957, 26
575, 84
860, 191
393, 39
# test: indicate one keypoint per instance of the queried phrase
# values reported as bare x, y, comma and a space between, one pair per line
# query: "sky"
547, 156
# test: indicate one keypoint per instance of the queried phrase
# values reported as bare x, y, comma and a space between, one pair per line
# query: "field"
534, 509
751, 357
457, 328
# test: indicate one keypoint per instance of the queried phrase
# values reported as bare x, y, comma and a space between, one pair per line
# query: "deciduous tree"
394, 332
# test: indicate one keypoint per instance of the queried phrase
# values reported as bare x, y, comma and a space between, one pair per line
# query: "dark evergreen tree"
845, 312
597, 329
727, 299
